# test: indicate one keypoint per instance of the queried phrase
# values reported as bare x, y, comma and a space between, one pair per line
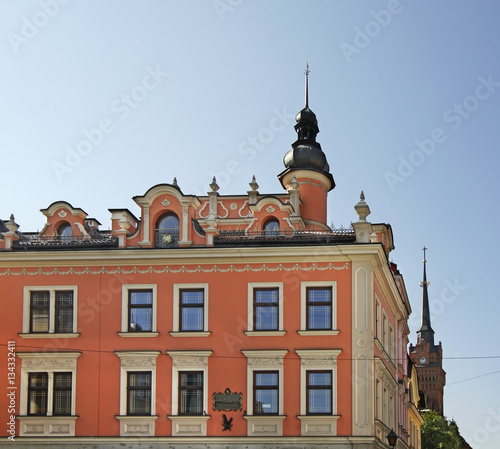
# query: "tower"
306, 165
428, 357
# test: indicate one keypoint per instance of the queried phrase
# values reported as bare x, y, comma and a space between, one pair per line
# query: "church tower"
306, 167
428, 357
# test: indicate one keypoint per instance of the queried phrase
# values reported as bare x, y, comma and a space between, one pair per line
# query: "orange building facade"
214, 321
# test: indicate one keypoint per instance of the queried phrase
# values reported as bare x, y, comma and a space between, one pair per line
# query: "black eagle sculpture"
226, 423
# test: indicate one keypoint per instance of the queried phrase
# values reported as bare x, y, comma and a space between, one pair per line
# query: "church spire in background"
425, 331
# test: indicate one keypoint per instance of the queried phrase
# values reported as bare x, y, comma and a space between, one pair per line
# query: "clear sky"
100, 100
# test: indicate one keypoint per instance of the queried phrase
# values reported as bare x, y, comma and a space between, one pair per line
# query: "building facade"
214, 321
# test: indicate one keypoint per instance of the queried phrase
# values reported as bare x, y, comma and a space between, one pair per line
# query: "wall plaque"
227, 401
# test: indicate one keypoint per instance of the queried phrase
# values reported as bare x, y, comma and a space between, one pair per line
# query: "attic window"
64, 231
272, 228
167, 232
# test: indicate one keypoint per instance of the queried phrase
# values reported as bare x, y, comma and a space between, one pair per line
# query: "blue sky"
407, 95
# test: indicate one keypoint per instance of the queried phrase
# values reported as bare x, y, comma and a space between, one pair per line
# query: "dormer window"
272, 228
167, 231
64, 232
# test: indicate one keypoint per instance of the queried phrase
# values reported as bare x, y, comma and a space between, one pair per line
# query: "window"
272, 228
265, 392
191, 306
167, 232
50, 310
318, 308
190, 393
319, 392
64, 232
139, 393
265, 388
47, 402
190, 315
265, 309
318, 396
139, 310
38, 393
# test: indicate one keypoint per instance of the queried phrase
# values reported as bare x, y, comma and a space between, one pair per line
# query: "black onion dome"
306, 115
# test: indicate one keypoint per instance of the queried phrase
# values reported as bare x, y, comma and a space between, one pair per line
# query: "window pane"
39, 312
191, 310
62, 394
266, 318
266, 393
320, 378
167, 234
64, 312
192, 296
141, 297
319, 295
139, 393
140, 310
37, 393
320, 317
320, 401
191, 393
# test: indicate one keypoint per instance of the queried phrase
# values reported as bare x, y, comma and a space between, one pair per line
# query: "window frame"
190, 388
318, 387
177, 289
304, 328
125, 324
131, 388
174, 232
53, 325
185, 307
270, 233
257, 388
251, 288
32, 390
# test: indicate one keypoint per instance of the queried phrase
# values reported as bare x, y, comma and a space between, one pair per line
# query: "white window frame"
378, 307
177, 296
124, 327
137, 361
189, 425
52, 307
264, 360
318, 360
250, 309
303, 308
385, 331
50, 363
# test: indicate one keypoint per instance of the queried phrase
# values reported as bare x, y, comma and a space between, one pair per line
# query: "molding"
47, 426
190, 334
138, 334
169, 269
318, 425
264, 425
306, 333
137, 426
264, 333
189, 425
49, 335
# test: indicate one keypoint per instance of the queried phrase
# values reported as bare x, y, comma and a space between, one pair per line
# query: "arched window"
272, 228
167, 231
64, 232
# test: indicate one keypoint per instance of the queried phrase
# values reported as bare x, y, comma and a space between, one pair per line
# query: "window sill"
138, 334
134, 426
49, 335
322, 425
265, 333
264, 425
189, 425
318, 332
47, 426
190, 334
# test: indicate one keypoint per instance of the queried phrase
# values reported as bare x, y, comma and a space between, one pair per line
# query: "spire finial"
307, 84
424, 249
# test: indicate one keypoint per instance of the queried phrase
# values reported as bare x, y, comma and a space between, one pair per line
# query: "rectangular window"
38, 386
266, 309
62, 394
138, 393
319, 392
50, 311
191, 310
319, 308
190, 393
266, 392
64, 312
140, 310
39, 312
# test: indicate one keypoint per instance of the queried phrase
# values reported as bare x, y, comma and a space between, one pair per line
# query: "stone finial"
213, 185
174, 182
362, 209
123, 222
294, 183
253, 185
12, 226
